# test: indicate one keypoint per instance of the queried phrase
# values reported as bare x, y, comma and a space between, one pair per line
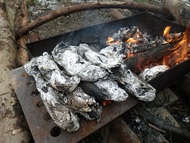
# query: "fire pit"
43, 129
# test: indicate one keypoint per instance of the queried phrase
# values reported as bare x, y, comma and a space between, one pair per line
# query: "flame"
167, 35
110, 41
181, 48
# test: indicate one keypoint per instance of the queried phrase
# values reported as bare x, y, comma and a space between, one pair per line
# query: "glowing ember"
106, 102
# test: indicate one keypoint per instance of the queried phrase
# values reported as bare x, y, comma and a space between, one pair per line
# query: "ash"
58, 76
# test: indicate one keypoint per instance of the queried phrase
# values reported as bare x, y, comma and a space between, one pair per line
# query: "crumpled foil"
111, 90
64, 116
108, 57
75, 65
83, 104
135, 85
150, 73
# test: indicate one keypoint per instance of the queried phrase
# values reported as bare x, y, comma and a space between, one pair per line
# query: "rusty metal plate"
42, 127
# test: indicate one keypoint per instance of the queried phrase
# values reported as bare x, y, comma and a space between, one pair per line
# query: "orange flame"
182, 49
110, 41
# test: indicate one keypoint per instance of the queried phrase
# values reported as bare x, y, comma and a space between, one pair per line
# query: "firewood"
139, 60
180, 9
88, 6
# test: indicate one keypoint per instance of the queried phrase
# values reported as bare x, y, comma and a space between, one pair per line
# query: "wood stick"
22, 20
161, 123
88, 6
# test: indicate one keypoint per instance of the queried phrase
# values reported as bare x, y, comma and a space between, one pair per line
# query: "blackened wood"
140, 60
162, 123
123, 131
141, 48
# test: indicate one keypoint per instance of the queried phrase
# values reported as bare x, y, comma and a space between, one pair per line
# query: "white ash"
64, 116
135, 85
57, 78
75, 65
150, 73
111, 90
83, 104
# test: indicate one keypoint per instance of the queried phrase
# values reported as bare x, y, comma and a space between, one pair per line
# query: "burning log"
140, 60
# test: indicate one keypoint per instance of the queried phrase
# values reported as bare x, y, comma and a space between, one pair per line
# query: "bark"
88, 6
22, 20
11, 118
180, 9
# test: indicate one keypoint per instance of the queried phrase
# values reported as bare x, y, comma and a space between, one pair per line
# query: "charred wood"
88, 6
123, 131
162, 124
140, 60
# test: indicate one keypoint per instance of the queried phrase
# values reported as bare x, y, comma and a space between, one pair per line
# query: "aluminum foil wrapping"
135, 85
111, 90
150, 73
64, 116
75, 65
107, 58
83, 104
57, 78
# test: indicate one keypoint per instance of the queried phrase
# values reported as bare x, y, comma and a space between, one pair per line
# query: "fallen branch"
162, 124
88, 6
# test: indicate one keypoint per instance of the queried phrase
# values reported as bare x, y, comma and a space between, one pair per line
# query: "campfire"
61, 75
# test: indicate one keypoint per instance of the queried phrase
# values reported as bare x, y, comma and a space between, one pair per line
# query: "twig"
88, 6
